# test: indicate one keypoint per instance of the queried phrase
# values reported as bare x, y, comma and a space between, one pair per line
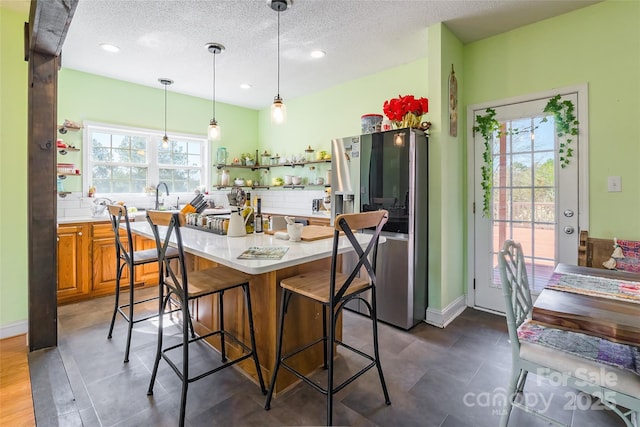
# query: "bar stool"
127, 257
190, 285
333, 290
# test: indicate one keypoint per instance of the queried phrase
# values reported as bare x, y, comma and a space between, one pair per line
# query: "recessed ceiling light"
110, 47
318, 54
245, 86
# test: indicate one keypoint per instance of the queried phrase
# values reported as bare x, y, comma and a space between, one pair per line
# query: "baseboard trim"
12, 329
441, 318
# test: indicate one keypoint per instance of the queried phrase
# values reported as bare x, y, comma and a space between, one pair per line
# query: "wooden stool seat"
212, 280
147, 256
315, 285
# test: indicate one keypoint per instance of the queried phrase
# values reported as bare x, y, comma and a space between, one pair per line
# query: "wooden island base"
303, 321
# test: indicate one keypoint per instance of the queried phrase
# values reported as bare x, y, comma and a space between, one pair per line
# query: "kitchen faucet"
158, 190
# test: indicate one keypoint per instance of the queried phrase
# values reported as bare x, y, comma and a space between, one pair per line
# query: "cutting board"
312, 232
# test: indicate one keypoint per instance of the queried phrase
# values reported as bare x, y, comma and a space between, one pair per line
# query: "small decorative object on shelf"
69, 125
309, 153
266, 158
406, 111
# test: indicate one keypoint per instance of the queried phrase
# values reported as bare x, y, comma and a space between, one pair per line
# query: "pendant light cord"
165, 110
278, 54
214, 86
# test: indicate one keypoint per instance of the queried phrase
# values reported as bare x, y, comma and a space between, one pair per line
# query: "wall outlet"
614, 184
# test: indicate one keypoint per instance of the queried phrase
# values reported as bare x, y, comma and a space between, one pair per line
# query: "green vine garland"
487, 125
566, 125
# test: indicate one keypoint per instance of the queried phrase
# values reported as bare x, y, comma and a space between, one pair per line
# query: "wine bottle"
247, 211
259, 224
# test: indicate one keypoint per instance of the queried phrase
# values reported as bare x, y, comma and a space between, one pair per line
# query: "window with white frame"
128, 160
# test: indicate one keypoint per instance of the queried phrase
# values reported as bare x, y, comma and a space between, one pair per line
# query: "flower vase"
409, 120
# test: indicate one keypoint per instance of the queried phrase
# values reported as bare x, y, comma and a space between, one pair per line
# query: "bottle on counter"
224, 178
259, 223
247, 211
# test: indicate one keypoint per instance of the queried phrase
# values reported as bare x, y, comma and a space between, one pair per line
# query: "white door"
534, 200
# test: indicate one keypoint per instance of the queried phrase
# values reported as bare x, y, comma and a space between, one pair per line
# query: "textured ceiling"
166, 38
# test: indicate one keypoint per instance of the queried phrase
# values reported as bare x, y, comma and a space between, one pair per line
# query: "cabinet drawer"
102, 230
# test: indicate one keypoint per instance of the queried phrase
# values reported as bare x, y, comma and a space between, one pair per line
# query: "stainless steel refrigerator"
389, 170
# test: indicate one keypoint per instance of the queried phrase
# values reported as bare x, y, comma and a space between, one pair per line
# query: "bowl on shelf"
296, 180
238, 182
288, 179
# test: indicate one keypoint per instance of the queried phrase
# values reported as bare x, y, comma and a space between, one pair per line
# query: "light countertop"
141, 216
225, 250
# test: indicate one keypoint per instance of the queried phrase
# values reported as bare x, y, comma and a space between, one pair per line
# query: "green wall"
83, 96
598, 45
13, 169
447, 171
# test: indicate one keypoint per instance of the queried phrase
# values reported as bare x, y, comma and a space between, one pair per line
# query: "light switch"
614, 184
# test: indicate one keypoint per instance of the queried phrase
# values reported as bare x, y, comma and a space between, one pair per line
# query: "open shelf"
257, 167
65, 151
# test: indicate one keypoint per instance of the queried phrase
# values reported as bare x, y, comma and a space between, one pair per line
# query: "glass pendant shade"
278, 111
214, 131
165, 141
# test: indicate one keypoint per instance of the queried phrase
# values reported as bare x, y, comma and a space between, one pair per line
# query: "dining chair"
188, 286
127, 257
616, 388
333, 290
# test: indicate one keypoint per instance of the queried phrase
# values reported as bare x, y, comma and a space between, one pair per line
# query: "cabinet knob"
57, 239
79, 233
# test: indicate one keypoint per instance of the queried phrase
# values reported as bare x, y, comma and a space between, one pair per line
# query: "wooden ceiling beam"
49, 22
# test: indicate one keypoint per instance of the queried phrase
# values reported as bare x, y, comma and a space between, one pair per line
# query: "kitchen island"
304, 319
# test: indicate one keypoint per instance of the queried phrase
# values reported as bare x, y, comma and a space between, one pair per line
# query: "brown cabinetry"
103, 247
87, 264
73, 281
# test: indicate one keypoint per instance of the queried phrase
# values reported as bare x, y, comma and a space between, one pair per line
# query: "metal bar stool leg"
324, 334
374, 320
161, 305
283, 309
131, 304
185, 361
117, 298
332, 336
254, 349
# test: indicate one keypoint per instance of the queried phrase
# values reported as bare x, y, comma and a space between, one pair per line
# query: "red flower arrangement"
395, 109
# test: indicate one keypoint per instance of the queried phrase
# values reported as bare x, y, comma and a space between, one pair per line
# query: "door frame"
582, 158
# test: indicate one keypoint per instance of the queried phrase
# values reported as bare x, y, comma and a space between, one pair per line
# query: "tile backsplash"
276, 201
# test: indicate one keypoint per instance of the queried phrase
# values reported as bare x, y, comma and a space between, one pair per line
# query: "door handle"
569, 229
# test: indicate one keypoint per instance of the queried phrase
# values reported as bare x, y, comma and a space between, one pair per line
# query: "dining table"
593, 301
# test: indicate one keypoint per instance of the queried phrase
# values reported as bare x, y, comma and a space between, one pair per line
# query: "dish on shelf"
277, 182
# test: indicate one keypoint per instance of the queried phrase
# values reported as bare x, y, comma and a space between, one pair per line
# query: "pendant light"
165, 138
278, 109
214, 127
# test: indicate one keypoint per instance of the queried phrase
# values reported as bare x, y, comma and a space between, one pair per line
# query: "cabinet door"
105, 266
73, 268
147, 273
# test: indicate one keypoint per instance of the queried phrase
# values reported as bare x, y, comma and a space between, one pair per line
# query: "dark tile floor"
452, 377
